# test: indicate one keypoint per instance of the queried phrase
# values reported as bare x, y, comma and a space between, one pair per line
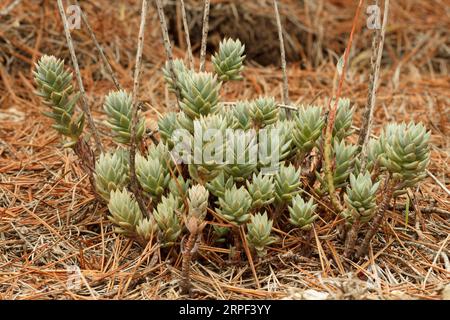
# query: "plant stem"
205, 29
282, 55
168, 48
352, 235
382, 207
84, 104
186, 32
330, 123
134, 183
377, 52
99, 48
186, 264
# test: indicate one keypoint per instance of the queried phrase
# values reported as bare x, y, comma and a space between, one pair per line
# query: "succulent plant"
200, 95
287, 184
374, 153
241, 152
125, 212
308, 128
220, 233
198, 201
274, 145
167, 124
146, 228
161, 152
54, 84
234, 205
179, 186
152, 175
111, 172
241, 116
258, 233
301, 213
263, 111
118, 107
178, 68
166, 216
219, 184
184, 122
361, 197
344, 160
406, 152
262, 190
228, 61
208, 136
343, 121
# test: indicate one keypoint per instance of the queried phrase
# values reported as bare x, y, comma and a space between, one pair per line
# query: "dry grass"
49, 219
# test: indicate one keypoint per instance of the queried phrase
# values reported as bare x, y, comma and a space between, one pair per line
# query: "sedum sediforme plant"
220, 171
344, 119
54, 86
234, 206
125, 212
152, 175
287, 184
111, 173
219, 184
200, 93
259, 233
118, 107
180, 69
262, 190
405, 155
263, 111
228, 60
308, 124
167, 218
361, 197
302, 214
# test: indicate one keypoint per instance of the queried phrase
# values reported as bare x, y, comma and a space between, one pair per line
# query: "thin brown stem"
99, 48
352, 235
186, 32
205, 29
134, 116
84, 103
377, 52
382, 207
286, 100
168, 47
330, 122
186, 264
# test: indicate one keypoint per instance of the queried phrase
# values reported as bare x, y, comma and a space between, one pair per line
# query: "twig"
352, 235
377, 51
84, 104
8, 9
194, 232
434, 262
286, 100
168, 47
99, 48
205, 28
331, 118
382, 207
440, 184
186, 32
134, 115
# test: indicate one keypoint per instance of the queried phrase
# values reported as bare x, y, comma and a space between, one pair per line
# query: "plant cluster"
233, 199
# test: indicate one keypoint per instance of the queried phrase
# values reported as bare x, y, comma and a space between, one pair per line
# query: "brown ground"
50, 221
